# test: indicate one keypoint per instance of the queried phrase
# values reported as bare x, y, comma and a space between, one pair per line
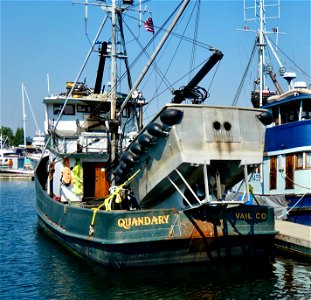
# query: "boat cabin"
81, 142
287, 152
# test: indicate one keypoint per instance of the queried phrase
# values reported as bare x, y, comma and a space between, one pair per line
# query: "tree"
19, 137
7, 132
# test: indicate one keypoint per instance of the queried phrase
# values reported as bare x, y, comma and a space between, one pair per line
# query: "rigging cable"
237, 95
193, 52
168, 85
302, 71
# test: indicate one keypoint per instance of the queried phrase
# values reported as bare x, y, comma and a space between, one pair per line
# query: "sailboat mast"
24, 114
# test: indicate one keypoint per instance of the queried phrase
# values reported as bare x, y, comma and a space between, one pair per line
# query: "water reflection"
72, 277
33, 266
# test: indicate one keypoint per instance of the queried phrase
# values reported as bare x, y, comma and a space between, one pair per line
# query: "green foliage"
12, 140
19, 137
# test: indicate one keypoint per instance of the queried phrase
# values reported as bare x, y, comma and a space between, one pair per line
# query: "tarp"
278, 202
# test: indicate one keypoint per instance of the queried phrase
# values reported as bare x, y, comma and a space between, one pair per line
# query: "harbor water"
33, 266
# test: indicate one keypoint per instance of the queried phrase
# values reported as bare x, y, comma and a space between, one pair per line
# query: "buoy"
265, 118
10, 162
156, 130
122, 165
144, 140
171, 117
137, 149
119, 172
128, 158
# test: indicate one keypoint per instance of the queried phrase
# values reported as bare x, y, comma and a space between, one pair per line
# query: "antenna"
85, 15
252, 11
139, 12
48, 82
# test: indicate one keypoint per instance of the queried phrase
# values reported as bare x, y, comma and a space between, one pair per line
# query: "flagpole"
154, 55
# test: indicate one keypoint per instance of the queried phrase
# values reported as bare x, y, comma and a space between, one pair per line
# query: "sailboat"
127, 194
284, 179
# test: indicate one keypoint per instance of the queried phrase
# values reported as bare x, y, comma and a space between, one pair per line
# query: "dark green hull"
153, 237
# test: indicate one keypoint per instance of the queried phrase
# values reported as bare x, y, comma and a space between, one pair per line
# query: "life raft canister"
66, 176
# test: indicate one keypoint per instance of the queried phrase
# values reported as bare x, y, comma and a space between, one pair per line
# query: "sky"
48, 37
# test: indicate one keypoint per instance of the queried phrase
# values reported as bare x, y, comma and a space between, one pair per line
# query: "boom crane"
190, 90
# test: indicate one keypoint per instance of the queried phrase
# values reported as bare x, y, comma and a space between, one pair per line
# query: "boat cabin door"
289, 181
96, 184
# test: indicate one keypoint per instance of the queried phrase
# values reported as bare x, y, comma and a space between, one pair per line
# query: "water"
32, 266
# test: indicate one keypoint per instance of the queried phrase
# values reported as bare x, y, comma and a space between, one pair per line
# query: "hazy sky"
48, 37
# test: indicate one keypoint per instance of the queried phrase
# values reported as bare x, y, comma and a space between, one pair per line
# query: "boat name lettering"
248, 216
127, 223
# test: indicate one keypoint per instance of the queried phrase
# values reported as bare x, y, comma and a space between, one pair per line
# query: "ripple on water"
33, 266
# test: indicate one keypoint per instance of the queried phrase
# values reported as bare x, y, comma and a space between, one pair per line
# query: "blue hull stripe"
287, 136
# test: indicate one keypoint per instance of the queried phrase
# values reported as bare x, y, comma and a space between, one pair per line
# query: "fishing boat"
125, 194
284, 179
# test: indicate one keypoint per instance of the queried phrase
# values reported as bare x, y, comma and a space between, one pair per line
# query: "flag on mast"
149, 25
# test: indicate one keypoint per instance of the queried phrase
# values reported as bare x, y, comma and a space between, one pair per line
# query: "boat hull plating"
154, 237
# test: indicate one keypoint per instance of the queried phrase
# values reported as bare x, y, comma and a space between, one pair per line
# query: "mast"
262, 12
113, 84
261, 50
24, 114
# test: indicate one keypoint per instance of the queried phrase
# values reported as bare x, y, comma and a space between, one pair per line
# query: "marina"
293, 238
8, 176
195, 200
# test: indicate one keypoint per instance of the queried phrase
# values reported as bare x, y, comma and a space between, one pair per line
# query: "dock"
6, 176
294, 238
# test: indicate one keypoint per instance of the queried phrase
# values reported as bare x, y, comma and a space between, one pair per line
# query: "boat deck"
293, 237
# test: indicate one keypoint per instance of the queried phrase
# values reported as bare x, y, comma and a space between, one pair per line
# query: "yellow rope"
107, 202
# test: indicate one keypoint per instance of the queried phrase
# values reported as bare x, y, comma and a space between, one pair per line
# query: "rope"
286, 177
108, 201
237, 95
301, 70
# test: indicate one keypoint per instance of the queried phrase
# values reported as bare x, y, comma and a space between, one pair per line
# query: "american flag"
149, 25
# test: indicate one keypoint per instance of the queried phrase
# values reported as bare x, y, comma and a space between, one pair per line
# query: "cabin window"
83, 109
308, 159
299, 161
303, 160
126, 113
275, 114
273, 172
293, 112
290, 112
306, 110
69, 109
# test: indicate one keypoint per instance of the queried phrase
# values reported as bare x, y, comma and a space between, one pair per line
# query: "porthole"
216, 125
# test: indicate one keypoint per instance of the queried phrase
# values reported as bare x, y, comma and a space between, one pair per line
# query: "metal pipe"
101, 66
215, 57
275, 82
205, 182
246, 182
